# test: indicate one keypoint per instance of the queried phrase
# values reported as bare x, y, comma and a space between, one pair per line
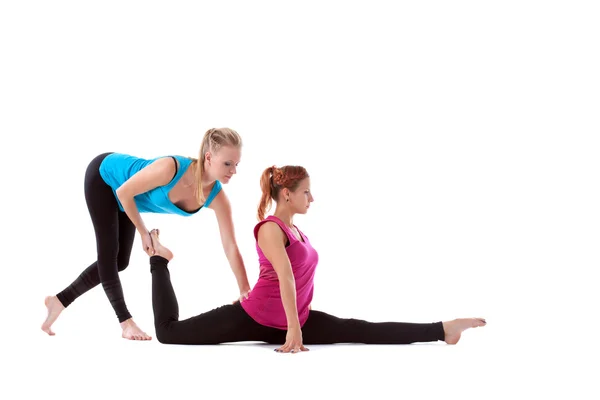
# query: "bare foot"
159, 249
454, 328
54, 307
132, 332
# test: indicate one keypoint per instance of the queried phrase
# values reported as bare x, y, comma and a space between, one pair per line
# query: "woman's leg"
114, 239
322, 328
225, 324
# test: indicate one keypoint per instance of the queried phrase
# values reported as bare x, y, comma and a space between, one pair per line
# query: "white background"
454, 164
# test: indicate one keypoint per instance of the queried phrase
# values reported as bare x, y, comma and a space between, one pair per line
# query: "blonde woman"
120, 187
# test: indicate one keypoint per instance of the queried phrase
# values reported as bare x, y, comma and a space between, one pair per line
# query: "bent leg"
228, 323
89, 278
104, 212
323, 328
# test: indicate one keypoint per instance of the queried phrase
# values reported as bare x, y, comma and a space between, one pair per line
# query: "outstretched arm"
222, 209
271, 241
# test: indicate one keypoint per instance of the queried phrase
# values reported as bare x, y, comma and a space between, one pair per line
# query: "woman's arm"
159, 173
271, 240
222, 208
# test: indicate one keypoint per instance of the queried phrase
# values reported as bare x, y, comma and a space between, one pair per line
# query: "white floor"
97, 368
88, 359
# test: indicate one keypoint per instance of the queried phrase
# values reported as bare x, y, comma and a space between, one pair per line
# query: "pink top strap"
291, 237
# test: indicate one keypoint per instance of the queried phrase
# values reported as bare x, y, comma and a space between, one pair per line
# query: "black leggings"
115, 234
230, 323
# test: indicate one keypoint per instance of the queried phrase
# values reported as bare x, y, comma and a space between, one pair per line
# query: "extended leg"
322, 328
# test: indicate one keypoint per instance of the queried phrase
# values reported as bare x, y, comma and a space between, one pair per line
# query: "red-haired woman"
277, 310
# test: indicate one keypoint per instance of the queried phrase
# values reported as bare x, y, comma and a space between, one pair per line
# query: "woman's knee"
164, 334
122, 264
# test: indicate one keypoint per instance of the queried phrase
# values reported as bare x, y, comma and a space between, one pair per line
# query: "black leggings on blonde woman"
230, 323
115, 234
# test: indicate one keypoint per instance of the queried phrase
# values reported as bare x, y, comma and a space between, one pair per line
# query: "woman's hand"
243, 296
293, 342
147, 243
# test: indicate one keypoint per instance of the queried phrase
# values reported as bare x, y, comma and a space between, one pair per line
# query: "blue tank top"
116, 168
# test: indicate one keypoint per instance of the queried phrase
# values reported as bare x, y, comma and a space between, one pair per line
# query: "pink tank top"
264, 303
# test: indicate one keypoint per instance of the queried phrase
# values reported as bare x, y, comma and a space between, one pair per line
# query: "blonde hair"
214, 139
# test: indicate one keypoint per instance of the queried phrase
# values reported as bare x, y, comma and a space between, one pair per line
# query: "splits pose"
278, 309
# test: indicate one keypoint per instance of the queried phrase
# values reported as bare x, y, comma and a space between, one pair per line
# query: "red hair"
274, 179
